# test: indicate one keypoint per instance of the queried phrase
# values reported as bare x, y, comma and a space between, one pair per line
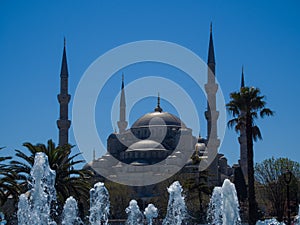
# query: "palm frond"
256, 133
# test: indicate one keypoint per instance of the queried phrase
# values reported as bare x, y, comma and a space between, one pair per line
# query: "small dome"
201, 139
200, 146
158, 119
146, 145
223, 158
112, 136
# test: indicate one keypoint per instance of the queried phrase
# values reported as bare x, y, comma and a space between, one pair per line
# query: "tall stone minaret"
63, 97
122, 123
212, 114
243, 141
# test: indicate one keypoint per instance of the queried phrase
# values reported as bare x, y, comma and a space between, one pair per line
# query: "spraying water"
70, 212
150, 213
177, 211
215, 208
35, 209
224, 205
135, 217
231, 206
99, 204
269, 222
2, 219
297, 222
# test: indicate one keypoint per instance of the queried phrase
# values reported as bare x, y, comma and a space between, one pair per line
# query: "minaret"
212, 114
243, 79
243, 141
122, 123
63, 123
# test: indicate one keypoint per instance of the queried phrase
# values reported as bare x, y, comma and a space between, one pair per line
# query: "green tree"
119, 196
198, 183
69, 181
246, 106
270, 174
8, 185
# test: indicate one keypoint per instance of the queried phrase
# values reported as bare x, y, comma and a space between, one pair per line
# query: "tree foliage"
69, 180
270, 174
246, 106
8, 185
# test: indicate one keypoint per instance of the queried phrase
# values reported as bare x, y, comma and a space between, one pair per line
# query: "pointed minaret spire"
211, 53
64, 123
122, 86
64, 65
158, 109
243, 79
122, 123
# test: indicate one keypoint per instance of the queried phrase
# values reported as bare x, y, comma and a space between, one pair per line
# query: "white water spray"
150, 213
70, 212
135, 217
99, 205
224, 205
177, 211
35, 209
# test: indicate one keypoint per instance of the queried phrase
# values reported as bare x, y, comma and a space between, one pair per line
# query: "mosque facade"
158, 138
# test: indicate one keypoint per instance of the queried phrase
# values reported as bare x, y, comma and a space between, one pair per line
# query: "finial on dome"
94, 154
199, 138
158, 109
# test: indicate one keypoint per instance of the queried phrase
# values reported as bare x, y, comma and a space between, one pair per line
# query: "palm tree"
8, 185
246, 106
68, 182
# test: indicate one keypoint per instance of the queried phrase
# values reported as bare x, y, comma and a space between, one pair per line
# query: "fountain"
231, 206
176, 212
135, 217
297, 219
224, 205
2, 219
70, 212
35, 206
215, 208
150, 213
99, 205
272, 221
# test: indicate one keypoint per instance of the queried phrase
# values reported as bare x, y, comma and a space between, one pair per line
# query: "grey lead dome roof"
146, 145
158, 119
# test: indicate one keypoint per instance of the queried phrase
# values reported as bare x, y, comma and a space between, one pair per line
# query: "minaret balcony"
211, 88
63, 98
63, 124
212, 115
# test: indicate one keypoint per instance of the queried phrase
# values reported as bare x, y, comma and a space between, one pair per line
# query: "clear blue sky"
264, 36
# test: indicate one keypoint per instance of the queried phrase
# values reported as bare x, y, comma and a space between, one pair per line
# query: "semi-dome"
145, 145
158, 119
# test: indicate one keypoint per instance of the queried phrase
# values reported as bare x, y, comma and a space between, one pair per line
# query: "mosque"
157, 138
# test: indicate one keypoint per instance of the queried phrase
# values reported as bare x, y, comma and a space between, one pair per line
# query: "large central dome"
158, 119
